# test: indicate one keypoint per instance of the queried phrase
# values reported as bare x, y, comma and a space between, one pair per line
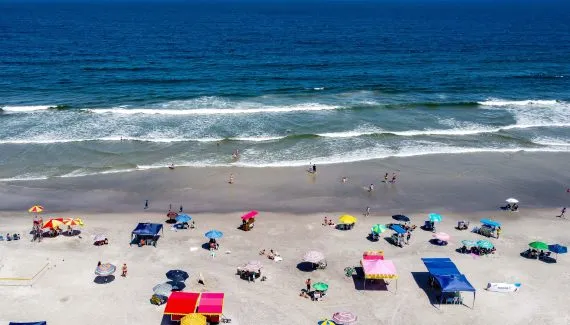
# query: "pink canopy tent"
375, 269
249, 215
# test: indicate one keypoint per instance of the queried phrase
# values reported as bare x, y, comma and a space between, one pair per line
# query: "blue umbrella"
177, 275
214, 234
181, 218
435, 217
558, 249
176, 285
401, 217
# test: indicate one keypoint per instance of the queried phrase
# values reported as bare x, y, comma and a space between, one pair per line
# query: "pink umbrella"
442, 236
344, 318
249, 215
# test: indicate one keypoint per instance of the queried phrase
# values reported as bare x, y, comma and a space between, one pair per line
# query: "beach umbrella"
539, 245
181, 218
442, 236
163, 289
400, 217
326, 322
344, 317
36, 209
214, 234
558, 249
512, 200
53, 223
105, 269
469, 243
177, 275
485, 244
347, 219
321, 286
193, 319
435, 217
72, 222
313, 257
249, 215
99, 237
171, 214
177, 285
378, 229
253, 266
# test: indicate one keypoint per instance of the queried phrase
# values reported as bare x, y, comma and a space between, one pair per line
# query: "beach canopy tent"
146, 231
208, 304
398, 229
29, 323
490, 223
444, 271
376, 267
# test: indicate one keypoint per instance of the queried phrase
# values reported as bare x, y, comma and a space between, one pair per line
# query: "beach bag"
158, 300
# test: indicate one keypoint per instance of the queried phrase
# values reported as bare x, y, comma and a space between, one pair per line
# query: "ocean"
115, 87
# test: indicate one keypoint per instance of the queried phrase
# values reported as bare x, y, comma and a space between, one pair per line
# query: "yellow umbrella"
53, 224
73, 222
347, 219
36, 209
193, 319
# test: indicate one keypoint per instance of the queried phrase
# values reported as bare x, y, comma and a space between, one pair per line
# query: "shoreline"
448, 183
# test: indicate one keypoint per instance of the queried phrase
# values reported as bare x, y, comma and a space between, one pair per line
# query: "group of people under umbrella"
542, 251
176, 283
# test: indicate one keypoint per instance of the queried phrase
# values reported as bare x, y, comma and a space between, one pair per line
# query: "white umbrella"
99, 237
252, 266
162, 289
512, 200
313, 257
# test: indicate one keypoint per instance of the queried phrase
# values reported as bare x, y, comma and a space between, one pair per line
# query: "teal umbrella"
378, 229
485, 244
469, 243
435, 217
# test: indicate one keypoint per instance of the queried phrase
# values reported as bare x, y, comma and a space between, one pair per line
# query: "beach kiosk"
248, 220
446, 278
146, 234
208, 304
375, 267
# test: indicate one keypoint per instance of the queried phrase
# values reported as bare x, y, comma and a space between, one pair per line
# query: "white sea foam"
309, 107
529, 102
25, 109
549, 141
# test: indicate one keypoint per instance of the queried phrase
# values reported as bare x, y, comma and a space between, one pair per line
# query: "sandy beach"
292, 206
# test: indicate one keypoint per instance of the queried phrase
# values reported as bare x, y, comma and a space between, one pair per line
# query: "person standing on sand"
498, 232
124, 270
393, 181
308, 284
231, 181
367, 213
371, 188
145, 204
314, 169
181, 208
386, 178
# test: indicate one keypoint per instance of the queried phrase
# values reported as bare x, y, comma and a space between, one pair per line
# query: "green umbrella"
485, 244
469, 243
539, 245
378, 229
321, 286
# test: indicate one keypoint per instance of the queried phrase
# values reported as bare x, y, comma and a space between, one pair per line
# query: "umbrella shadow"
306, 267
437, 242
206, 246
170, 221
548, 260
372, 238
74, 232
166, 320
104, 279
422, 280
370, 285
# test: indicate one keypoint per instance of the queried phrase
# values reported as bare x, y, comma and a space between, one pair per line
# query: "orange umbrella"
53, 223
36, 209
72, 222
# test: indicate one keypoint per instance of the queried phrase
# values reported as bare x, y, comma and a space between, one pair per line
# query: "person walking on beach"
314, 169
367, 213
498, 232
393, 181
181, 209
231, 181
562, 212
408, 237
371, 188
308, 284
145, 204
386, 178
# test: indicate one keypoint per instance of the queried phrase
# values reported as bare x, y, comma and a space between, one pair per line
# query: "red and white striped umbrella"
344, 318
442, 236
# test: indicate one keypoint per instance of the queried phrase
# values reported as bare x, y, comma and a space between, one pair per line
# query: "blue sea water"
104, 87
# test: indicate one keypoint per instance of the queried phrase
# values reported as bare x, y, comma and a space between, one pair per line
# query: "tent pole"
473, 307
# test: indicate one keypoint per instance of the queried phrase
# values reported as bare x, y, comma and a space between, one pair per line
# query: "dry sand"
65, 293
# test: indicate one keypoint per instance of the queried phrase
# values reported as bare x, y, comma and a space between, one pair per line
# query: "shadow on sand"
104, 279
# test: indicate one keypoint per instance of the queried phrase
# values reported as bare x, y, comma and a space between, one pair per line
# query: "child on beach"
124, 270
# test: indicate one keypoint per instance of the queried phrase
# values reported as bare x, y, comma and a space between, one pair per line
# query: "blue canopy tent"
398, 229
29, 323
490, 223
147, 233
444, 271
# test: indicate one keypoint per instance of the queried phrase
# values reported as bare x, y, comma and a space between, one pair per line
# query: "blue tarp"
147, 229
398, 229
441, 266
454, 283
490, 222
32, 323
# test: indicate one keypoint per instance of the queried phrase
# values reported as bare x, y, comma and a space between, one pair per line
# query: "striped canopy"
344, 317
36, 209
105, 269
